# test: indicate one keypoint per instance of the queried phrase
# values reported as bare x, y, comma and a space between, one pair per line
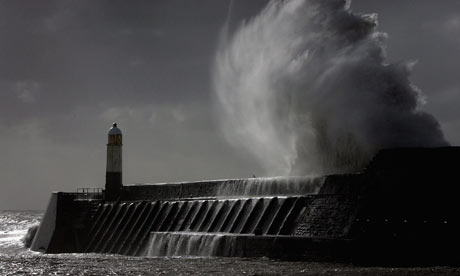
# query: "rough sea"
16, 259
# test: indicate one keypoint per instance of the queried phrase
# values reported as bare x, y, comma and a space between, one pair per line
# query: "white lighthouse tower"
113, 176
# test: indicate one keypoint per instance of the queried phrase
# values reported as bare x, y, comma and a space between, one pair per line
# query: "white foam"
305, 87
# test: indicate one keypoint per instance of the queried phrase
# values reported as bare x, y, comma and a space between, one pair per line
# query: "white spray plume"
304, 86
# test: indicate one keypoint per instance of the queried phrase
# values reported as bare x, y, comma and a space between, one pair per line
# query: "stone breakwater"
402, 209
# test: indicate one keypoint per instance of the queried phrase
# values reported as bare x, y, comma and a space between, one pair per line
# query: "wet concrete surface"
94, 264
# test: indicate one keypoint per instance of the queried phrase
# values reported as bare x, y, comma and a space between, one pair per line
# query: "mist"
305, 87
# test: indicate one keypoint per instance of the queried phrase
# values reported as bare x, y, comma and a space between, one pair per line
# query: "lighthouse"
113, 176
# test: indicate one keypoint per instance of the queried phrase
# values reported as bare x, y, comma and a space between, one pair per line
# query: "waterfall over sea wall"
244, 245
228, 188
186, 244
124, 228
266, 186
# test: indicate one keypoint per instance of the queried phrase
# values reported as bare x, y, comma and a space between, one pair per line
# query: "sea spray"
14, 227
304, 87
30, 235
270, 186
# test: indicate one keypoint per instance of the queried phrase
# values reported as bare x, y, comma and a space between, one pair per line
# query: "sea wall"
63, 228
228, 188
231, 245
47, 226
124, 227
402, 209
332, 212
408, 209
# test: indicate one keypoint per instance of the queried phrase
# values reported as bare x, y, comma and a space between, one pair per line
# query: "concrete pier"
402, 209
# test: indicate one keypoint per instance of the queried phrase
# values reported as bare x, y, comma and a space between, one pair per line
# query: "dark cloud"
429, 33
119, 52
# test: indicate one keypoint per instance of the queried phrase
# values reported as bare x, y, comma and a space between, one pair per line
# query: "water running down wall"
229, 188
124, 228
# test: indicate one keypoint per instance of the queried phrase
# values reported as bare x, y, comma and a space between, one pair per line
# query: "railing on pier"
89, 193
89, 190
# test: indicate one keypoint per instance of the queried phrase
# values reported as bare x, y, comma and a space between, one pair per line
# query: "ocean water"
13, 228
16, 259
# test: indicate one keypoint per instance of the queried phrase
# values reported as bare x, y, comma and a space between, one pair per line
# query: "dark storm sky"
69, 68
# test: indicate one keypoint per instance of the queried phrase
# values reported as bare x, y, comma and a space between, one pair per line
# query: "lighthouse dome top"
114, 130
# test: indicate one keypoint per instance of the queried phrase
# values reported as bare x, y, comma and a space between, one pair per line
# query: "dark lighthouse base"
113, 186
401, 210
